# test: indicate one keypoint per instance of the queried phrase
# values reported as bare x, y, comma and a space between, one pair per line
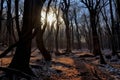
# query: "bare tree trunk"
72, 38
17, 16
9, 23
56, 38
118, 16
77, 30
21, 58
57, 31
88, 36
68, 37
96, 44
40, 31
41, 46
118, 7
94, 12
65, 9
113, 31
1, 11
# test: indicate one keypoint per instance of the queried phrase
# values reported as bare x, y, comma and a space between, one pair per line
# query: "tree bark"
94, 11
21, 58
57, 31
96, 44
1, 11
40, 31
113, 31
17, 16
56, 38
65, 9
72, 38
9, 23
77, 30
41, 46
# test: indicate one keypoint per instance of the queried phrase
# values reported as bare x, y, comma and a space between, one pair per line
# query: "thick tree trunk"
94, 11
68, 39
1, 17
96, 43
9, 23
41, 47
40, 32
21, 58
1, 11
118, 9
17, 16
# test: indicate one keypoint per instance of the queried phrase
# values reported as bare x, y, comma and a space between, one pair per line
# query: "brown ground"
69, 67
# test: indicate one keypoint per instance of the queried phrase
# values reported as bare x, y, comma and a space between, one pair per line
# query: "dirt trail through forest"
73, 66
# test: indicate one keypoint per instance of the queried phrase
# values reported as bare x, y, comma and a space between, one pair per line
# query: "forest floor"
78, 65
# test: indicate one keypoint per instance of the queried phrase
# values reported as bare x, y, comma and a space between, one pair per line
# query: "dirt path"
74, 67
70, 67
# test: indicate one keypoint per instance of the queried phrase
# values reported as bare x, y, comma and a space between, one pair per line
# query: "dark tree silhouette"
17, 16
94, 8
112, 27
9, 22
57, 29
40, 30
21, 58
65, 9
118, 16
1, 12
77, 29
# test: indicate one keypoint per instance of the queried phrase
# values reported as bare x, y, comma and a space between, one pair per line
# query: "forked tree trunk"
65, 9
96, 43
40, 31
21, 58
41, 46
1, 12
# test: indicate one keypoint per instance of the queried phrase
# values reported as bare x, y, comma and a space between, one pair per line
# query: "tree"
77, 29
9, 23
57, 14
94, 8
17, 16
40, 30
65, 9
112, 27
108, 32
1, 11
118, 7
1, 17
21, 58
118, 20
